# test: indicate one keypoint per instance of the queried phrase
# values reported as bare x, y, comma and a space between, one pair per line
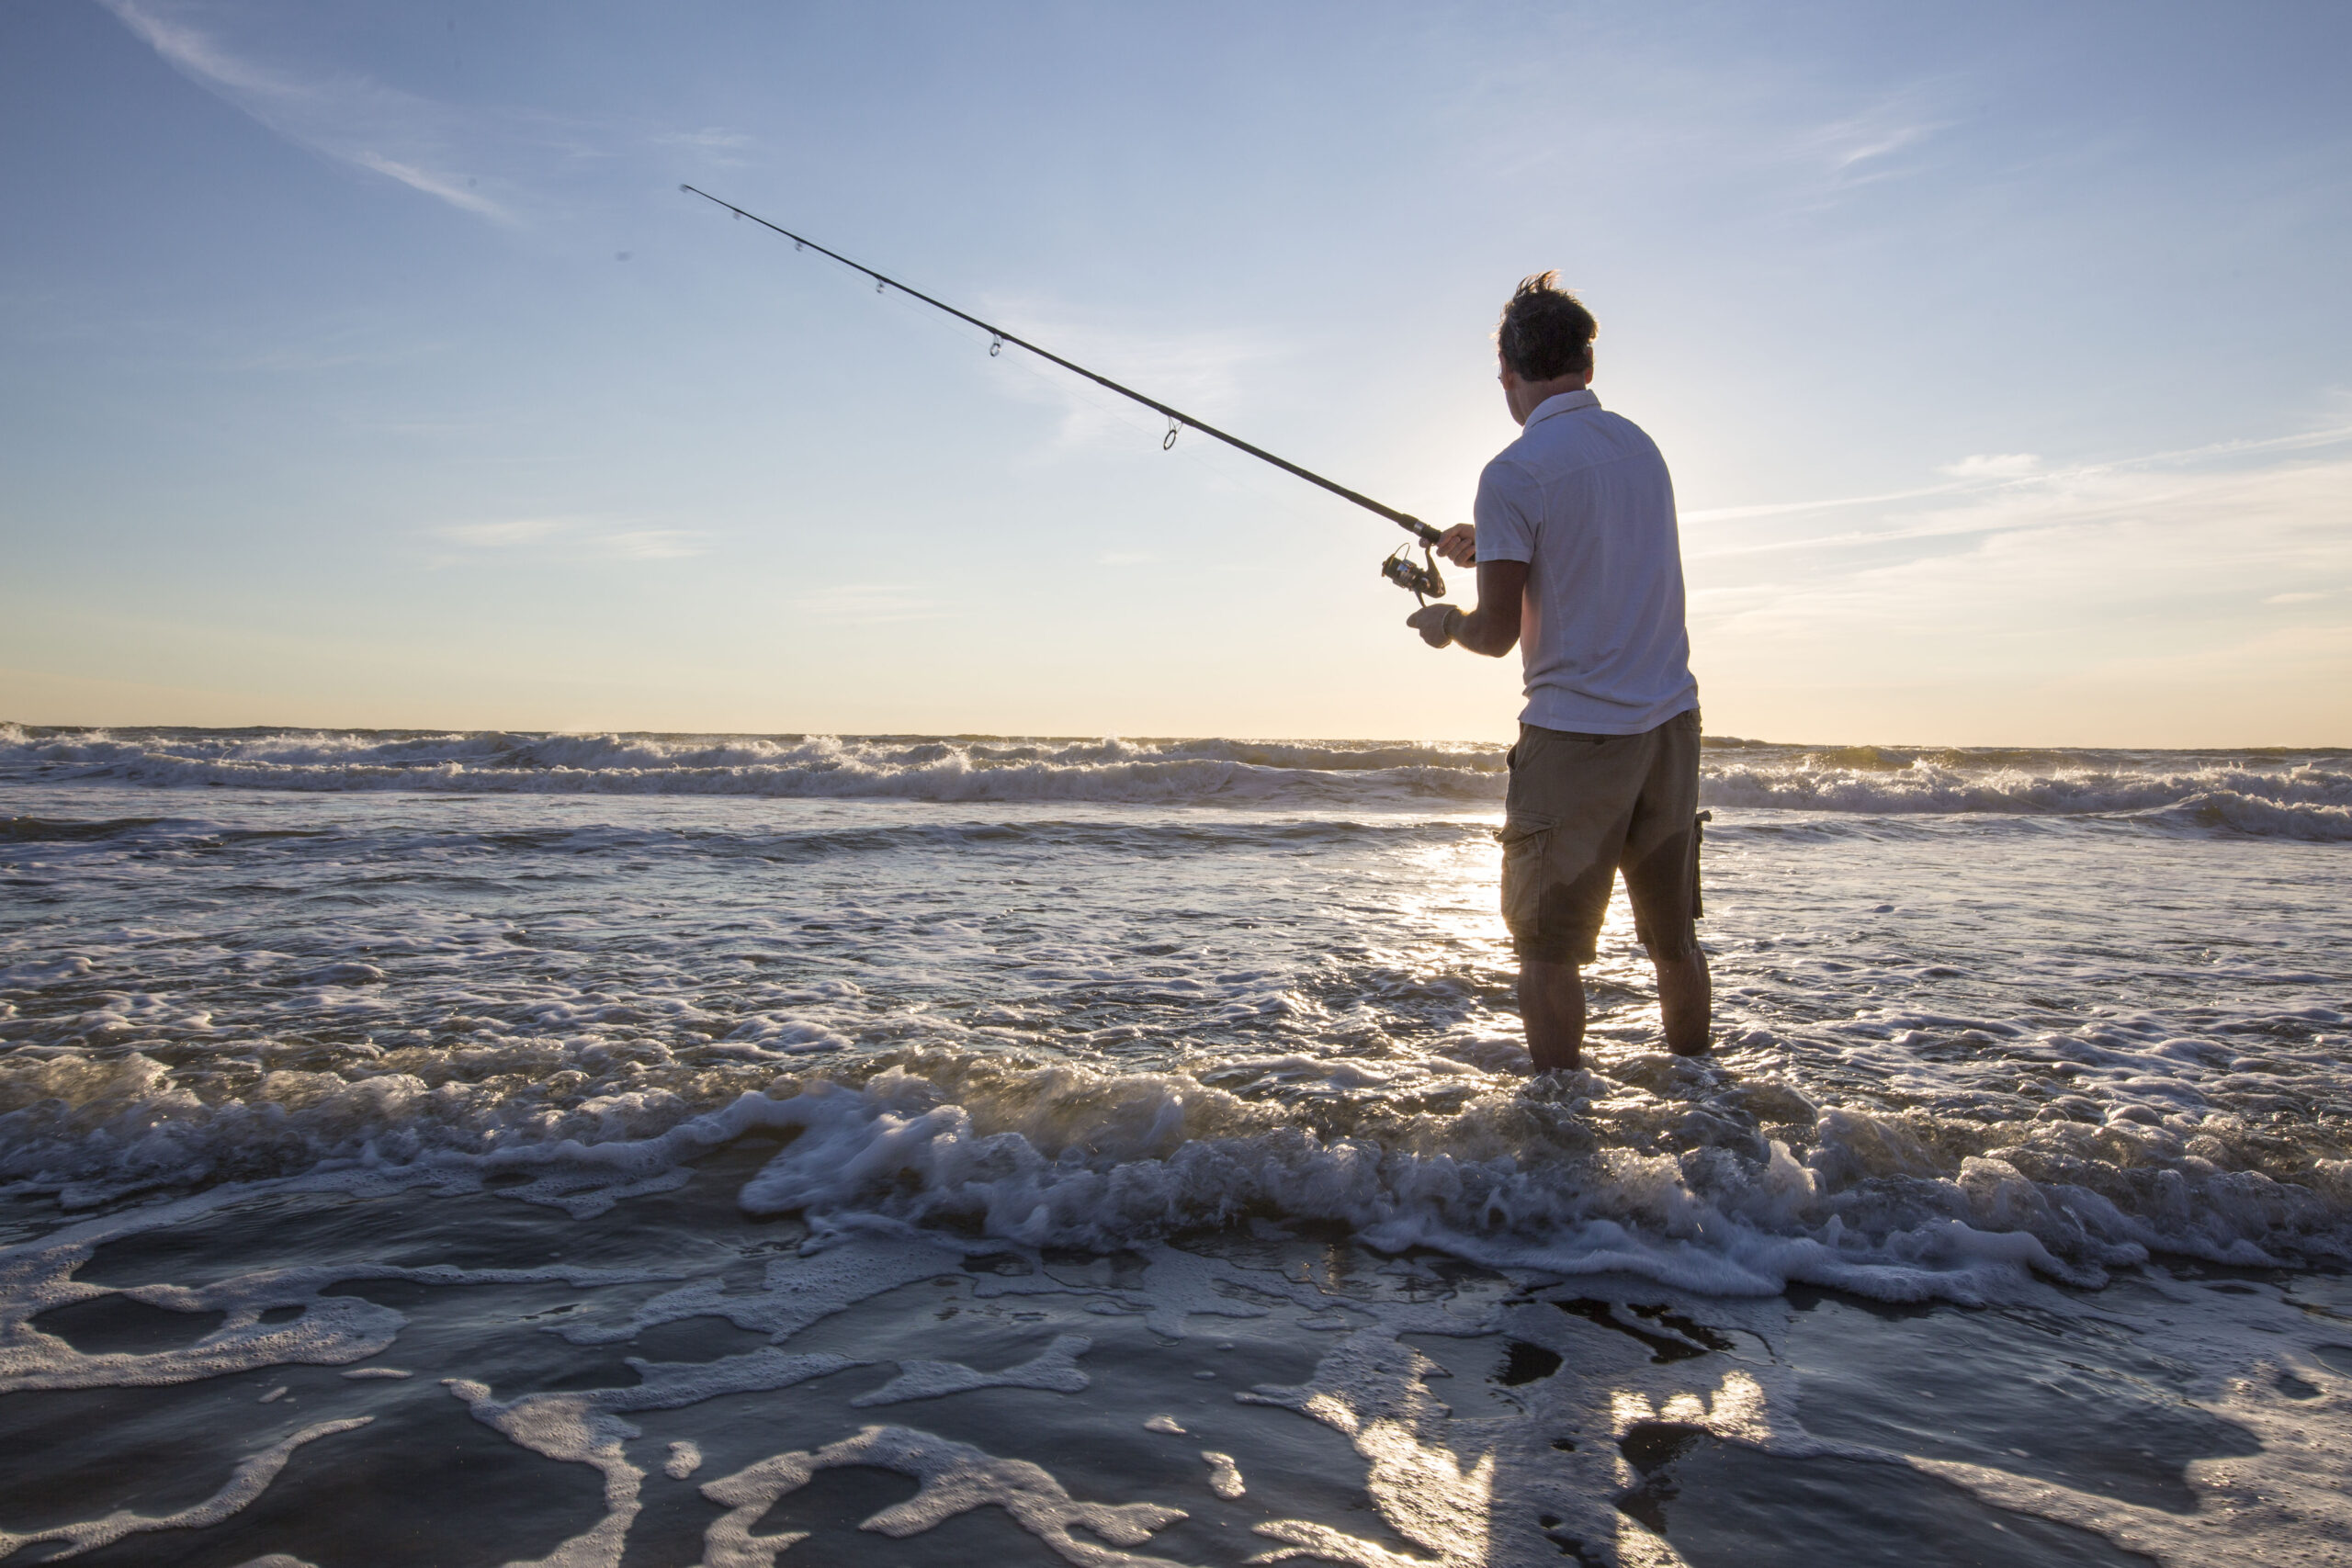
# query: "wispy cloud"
333, 347
654, 543
712, 146
1993, 466
710, 138
399, 135
501, 536
867, 603
572, 538
1859, 148
1791, 507
1204, 373
431, 184
2011, 471
2119, 584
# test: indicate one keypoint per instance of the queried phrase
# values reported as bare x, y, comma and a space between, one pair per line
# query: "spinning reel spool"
1421, 578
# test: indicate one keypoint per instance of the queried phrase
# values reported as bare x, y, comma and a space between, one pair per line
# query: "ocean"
633, 1151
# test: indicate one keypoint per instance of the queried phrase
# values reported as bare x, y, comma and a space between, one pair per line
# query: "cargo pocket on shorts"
1524, 840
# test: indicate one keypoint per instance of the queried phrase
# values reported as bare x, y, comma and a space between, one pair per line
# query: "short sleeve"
1506, 511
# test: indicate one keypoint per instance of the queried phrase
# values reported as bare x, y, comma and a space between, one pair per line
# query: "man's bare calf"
1686, 998
1551, 1004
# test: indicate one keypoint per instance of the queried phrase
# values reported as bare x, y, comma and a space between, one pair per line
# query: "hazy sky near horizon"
361, 362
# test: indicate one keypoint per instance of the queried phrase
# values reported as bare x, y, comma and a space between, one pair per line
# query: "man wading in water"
1579, 565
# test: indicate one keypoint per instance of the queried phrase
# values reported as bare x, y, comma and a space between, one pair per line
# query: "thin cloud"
2081, 494
333, 349
1846, 145
191, 51
431, 185
501, 536
1880, 142
1880, 145
573, 539
1789, 508
1982, 473
865, 604
398, 135
1993, 466
711, 146
2131, 558
654, 543
2156, 602
1202, 373
710, 138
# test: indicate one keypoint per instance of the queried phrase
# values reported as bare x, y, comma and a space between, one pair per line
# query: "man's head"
1545, 343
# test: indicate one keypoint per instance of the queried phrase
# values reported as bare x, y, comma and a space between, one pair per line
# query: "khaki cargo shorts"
1583, 807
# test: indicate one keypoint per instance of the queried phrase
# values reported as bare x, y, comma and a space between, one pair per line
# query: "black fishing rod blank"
1421, 578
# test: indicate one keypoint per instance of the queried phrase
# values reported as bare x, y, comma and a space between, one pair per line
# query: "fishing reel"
1421, 578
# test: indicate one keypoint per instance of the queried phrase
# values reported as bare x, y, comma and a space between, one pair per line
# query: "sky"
361, 362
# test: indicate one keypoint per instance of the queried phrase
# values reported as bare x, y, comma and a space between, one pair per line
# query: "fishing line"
1421, 578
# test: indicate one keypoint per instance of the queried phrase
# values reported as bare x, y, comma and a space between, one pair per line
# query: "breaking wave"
1169, 772
2294, 798
1707, 1180
2291, 795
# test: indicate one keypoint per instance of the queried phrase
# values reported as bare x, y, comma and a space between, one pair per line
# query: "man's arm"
1493, 627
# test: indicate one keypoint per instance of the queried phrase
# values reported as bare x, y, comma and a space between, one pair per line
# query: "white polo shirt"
1584, 499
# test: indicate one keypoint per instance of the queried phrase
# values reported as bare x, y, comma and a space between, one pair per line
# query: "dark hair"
1546, 333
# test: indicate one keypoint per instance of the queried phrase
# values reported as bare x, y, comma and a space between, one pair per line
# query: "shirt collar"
1563, 402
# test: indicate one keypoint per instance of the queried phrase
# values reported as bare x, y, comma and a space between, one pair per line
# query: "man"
1579, 565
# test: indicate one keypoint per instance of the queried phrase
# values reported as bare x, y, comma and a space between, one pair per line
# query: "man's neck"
1528, 396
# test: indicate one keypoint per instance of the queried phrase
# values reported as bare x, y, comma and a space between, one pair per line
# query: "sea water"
617, 1150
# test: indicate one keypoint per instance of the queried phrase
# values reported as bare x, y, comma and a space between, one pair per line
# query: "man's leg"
1551, 1003
1661, 867
1686, 998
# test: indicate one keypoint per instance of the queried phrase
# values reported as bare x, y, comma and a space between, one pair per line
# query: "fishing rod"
1421, 578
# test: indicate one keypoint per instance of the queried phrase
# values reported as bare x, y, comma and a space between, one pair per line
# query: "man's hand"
1436, 622
1459, 544
1493, 627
